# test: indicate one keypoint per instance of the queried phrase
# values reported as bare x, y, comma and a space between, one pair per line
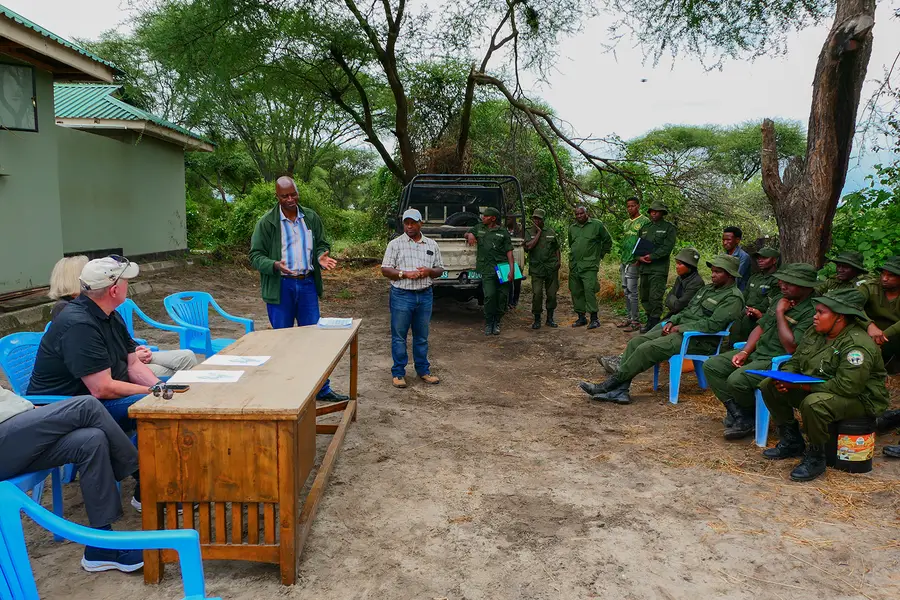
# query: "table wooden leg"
152, 513
288, 498
354, 371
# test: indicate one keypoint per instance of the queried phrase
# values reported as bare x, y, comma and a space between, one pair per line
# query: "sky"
599, 93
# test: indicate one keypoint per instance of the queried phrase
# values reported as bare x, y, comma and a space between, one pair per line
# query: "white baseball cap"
412, 213
102, 272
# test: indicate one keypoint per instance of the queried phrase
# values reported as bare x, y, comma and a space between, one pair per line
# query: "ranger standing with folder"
659, 235
837, 350
494, 247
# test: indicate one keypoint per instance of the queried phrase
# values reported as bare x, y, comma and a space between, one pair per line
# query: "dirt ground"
504, 482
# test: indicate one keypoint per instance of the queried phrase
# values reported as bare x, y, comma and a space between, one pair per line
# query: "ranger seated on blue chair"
65, 286
81, 431
711, 310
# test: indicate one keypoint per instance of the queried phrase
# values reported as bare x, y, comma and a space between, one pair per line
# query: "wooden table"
240, 452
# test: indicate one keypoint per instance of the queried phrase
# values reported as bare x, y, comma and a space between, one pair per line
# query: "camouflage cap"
490, 211
730, 264
538, 213
854, 259
658, 205
891, 265
847, 301
688, 256
800, 274
767, 252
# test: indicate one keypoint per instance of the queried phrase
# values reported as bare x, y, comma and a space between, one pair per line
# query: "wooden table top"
302, 358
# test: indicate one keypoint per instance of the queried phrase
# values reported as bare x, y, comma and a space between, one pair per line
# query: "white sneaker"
136, 504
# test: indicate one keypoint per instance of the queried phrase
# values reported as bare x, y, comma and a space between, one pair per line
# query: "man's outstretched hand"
326, 262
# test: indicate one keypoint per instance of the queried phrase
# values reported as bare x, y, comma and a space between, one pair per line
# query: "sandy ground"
504, 482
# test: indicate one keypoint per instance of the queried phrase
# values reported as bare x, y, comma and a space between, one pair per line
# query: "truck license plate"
470, 274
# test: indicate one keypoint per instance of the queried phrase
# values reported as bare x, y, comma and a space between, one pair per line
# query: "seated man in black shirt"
88, 350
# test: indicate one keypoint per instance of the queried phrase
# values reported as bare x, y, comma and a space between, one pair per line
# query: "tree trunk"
806, 199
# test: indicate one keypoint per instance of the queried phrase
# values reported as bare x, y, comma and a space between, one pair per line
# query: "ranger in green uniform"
688, 282
588, 244
494, 247
838, 350
777, 333
654, 266
851, 272
543, 266
711, 310
761, 291
882, 306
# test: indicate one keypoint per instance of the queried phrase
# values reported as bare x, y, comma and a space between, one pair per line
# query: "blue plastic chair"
762, 411
17, 354
34, 484
18, 582
190, 310
129, 309
677, 361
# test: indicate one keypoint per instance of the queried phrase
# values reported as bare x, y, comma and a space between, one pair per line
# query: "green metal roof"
96, 101
16, 17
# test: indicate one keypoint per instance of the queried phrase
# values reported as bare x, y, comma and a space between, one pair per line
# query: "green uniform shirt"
588, 244
800, 319
543, 259
762, 291
850, 364
662, 236
833, 283
492, 246
711, 310
885, 313
683, 292
630, 229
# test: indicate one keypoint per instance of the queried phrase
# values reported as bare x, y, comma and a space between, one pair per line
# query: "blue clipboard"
787, 377
502, 270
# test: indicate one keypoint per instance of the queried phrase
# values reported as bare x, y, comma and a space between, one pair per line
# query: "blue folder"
787, 377
502, 270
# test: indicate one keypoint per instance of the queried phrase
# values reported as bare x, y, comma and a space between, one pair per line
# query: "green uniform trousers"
818, 410
548, 285
496, 297
729, 383
646, 350
583, 287
651, 290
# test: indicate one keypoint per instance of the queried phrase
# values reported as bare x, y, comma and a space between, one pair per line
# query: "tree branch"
771, 177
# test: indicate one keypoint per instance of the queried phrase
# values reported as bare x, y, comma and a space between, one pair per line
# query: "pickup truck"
450, 205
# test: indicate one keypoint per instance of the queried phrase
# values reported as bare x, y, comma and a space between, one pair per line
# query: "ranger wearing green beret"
542, 247
654, 264
589, 242
777, 333
838, 350
761, 291
688, 282
851, 272
713, 308
494, 247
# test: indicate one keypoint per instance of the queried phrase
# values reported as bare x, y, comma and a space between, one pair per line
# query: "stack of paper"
230, 360
334, 323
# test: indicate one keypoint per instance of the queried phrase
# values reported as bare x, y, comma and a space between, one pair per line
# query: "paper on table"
231, 360
200, 376
334, 323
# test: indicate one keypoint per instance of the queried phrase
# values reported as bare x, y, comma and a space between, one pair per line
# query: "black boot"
618, 394
488, 326
651, 323
728, 421
581, 321
550, 321
790, 443
592, 389
495, 330
892, 451
888, 421
537, 321
595, 322
743, 422
812, 465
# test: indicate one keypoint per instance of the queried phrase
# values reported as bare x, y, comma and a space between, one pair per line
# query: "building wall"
123, 193
30, 229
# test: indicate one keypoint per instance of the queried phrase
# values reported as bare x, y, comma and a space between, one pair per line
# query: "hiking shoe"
96, 560
550, 321
892, 451
594, 324
633, 327
537, 321
812, 465
623, 324
592, 389
581, 321
399, 382
429, 378
495, 330
610, 363
488, 328
790, 443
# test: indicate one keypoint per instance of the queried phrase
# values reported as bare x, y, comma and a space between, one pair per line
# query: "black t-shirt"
81, 341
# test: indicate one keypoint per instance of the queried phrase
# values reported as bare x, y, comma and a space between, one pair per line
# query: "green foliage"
869, 220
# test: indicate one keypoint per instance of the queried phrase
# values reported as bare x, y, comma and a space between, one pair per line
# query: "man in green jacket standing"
289, 250
628, 269
543, 266
653, 264
494, 247
837, 350
589, 242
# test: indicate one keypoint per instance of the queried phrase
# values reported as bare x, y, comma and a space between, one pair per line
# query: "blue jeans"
300, 304
410, 309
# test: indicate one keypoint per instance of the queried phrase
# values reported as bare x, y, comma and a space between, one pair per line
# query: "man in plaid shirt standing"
411, 262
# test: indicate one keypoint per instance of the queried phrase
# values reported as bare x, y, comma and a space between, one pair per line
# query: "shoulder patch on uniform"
860, 282
855, 358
